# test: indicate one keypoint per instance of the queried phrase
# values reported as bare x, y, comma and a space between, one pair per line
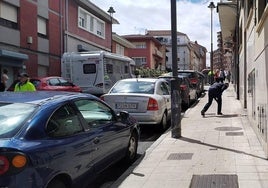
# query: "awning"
10, 58
13, 55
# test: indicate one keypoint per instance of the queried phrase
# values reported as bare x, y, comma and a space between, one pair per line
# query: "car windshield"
134, 87
12, 116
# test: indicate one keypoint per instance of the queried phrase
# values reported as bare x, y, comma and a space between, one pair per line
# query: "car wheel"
163, 124
132, 148
56, 184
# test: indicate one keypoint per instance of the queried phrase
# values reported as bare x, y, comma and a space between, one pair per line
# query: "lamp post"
175, 85
211, 6
111, 11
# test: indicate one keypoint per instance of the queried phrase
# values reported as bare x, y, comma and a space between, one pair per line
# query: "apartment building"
244, 32
190, 55
35, 34
148, 52
27, 31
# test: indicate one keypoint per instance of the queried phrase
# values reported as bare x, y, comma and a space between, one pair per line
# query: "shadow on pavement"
218, 147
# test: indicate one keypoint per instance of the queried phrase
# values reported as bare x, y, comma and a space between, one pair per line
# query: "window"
95, 113
140, 61
42, 27
8, 15
165, 89
53, 82
120, 49
89, 68
90, 23
64, 122
109, 68
140, 45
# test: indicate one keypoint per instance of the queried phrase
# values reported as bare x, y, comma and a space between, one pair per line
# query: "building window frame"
8, 15
91, 23
42, 27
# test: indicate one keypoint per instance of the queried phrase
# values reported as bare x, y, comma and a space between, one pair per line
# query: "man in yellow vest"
24, 84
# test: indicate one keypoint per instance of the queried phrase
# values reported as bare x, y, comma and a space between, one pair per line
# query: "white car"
148, 100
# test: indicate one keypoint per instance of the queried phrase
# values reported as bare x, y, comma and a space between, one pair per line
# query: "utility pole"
175, 85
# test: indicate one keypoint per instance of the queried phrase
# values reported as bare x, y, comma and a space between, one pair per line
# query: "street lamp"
211, 6
111, 11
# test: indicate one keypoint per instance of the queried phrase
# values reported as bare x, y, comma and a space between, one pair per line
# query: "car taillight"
152, 105
183, 87
43, 85
12, 163
102, 98
4, 165
194, 81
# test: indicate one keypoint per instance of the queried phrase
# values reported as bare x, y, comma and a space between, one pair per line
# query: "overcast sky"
137, 16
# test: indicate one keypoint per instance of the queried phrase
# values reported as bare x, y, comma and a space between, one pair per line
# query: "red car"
53, 83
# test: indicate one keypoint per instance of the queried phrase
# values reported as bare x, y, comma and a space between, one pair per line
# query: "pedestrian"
216, 75
222, 75
24, 84
4, 79
215, 92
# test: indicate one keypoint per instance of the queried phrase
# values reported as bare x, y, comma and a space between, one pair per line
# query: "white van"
97, 71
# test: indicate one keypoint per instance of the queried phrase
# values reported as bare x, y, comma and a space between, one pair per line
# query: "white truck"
97, 71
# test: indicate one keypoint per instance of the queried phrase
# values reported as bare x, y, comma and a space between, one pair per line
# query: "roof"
133, 38
121, 40
162, 33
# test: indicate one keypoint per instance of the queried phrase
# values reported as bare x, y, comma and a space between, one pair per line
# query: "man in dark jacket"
214, 92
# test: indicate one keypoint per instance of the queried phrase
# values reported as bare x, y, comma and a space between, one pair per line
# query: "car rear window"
134, 87
12, 117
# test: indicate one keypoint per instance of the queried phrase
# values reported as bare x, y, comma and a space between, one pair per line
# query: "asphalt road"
148, 136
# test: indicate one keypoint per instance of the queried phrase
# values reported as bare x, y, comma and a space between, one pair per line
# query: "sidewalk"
215, 151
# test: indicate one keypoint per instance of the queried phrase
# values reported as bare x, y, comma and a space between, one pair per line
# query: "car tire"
132, 148
56, 184
164, 122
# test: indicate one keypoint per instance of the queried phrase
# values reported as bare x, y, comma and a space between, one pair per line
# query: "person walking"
24, 84
215, 92
4, 79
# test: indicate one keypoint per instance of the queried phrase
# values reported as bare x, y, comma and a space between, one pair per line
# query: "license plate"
126, 106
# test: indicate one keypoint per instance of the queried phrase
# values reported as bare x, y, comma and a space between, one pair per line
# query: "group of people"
219, 75
23, 82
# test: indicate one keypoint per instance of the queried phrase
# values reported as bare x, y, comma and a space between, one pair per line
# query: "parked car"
197, 79
188, 91
147, 99
51, 83
56, 139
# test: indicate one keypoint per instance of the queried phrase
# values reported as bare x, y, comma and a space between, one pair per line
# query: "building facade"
190, 55
148, 52
35, 34
244, 31
27, 31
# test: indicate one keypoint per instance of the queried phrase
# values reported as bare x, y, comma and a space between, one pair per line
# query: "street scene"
123, 94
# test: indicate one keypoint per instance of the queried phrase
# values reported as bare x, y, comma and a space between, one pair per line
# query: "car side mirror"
123, 115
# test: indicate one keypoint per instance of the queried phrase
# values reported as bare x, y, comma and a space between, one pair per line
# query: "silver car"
146, 99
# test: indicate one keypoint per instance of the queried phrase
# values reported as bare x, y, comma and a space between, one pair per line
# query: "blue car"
58, 139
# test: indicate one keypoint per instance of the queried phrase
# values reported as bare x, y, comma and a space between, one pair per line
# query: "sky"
137, 16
